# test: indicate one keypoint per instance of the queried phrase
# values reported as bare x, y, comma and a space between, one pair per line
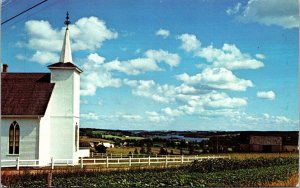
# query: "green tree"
149, 150
101, 148
142, 150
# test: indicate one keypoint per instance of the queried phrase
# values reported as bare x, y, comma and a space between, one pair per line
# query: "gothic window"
14, 138
76, 137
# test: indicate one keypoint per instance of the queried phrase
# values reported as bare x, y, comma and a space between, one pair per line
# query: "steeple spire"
66, 54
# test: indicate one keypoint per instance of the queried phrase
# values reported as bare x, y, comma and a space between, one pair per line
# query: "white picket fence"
110, 162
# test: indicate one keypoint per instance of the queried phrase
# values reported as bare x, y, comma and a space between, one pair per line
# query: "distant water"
182, 138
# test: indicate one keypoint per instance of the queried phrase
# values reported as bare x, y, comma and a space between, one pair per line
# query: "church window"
14, 138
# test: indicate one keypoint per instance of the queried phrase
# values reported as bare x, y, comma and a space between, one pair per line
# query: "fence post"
181, 159
52, 163
166, 160
106, 161
49, 179
129, 160
121, 155
149, 160
111, 155
18, 163
81, 162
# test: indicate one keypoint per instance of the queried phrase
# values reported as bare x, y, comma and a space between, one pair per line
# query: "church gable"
25, 93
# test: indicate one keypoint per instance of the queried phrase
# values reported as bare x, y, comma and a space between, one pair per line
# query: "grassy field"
155, 150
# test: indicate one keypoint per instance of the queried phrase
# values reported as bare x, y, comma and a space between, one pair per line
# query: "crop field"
278, 171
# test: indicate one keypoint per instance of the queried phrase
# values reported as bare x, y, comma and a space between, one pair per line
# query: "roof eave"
69, 68
22, 116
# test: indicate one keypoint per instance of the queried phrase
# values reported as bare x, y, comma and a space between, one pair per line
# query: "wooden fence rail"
107, 162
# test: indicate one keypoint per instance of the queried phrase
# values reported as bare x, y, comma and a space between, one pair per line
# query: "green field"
211, 173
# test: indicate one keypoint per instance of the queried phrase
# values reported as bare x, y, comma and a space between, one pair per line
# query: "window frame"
14, 138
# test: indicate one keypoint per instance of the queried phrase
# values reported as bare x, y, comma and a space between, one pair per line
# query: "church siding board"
29, 128
44, 137
61, 146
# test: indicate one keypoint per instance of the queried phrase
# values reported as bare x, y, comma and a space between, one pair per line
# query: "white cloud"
90, 116
149, 63
172, 112
217, 78
134, 66
264, 121
234, 10
260, 56
272, 12
128, 117
86, 34
270, 95
44, 57
163, 56
229, 57
21, 57
149, 89
43, 37
89, 33
155, 117
189, 42
95, 75
163, 32
96, 58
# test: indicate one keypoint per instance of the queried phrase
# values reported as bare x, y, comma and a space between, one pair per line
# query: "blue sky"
168, 64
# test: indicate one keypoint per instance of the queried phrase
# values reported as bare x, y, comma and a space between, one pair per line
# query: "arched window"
76, 137
14, 138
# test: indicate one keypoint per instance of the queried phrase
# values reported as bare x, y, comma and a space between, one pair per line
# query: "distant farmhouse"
278, 141
40, 111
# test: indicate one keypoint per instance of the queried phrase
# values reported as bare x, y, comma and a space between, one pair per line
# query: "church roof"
25, 93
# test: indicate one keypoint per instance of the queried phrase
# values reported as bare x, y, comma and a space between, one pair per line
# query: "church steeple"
66, 53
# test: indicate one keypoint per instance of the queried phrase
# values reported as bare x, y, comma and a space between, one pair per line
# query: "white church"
40, 112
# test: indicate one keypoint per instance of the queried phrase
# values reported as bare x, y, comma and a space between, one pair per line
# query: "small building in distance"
270, 141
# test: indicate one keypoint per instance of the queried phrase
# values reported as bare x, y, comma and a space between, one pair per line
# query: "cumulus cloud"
276, 12
260, 56
163, 32
149, 63
229, 57
88, 33
149, 89
163, 56
44, 57
95, 75
217, 78
134, 66
189, 42
234, 10
270, 95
